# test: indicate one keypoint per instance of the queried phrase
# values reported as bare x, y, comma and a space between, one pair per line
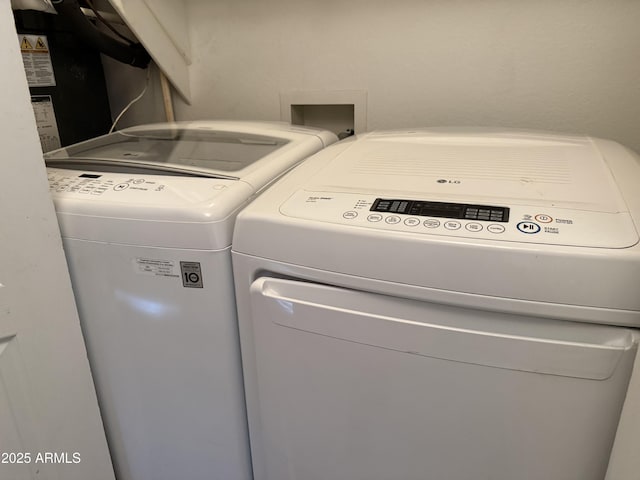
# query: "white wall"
569, 65
53, 408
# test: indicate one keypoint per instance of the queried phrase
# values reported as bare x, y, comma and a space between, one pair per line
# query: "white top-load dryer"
147, 215
441, 304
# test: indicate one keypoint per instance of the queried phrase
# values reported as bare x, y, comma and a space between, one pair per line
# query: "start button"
528, 227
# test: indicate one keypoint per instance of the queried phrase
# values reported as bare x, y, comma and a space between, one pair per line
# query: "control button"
473, 227
121, 186
350, 215
374, 217
452, 225
138, 181
412, 222
219, 186
544, 218
495, 228
392, 219
431, 223
528, 227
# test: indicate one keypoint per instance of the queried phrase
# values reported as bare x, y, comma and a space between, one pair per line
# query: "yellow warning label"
36, 60
40, 45
26, 44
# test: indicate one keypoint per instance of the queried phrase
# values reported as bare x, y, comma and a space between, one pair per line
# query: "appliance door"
362, 386
163, 347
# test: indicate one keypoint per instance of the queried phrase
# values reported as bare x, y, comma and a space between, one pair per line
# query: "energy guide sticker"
191, 274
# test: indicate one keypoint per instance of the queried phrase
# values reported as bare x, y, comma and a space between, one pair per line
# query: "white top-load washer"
147, 216
442, 304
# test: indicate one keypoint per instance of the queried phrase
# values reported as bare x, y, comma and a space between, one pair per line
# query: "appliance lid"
480, 184
477, 166
170, 149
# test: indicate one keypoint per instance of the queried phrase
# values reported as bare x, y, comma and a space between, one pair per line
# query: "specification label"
46, 122
158, 268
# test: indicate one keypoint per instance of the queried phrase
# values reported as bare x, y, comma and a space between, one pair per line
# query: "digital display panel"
423, 208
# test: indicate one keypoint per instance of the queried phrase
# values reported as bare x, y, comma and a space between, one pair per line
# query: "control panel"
516, 223
146, 189
61, 181
85, 183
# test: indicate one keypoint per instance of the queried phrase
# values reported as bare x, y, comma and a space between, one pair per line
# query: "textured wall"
567, 66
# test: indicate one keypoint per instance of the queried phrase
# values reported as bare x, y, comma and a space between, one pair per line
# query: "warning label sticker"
158, 268
37, 60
